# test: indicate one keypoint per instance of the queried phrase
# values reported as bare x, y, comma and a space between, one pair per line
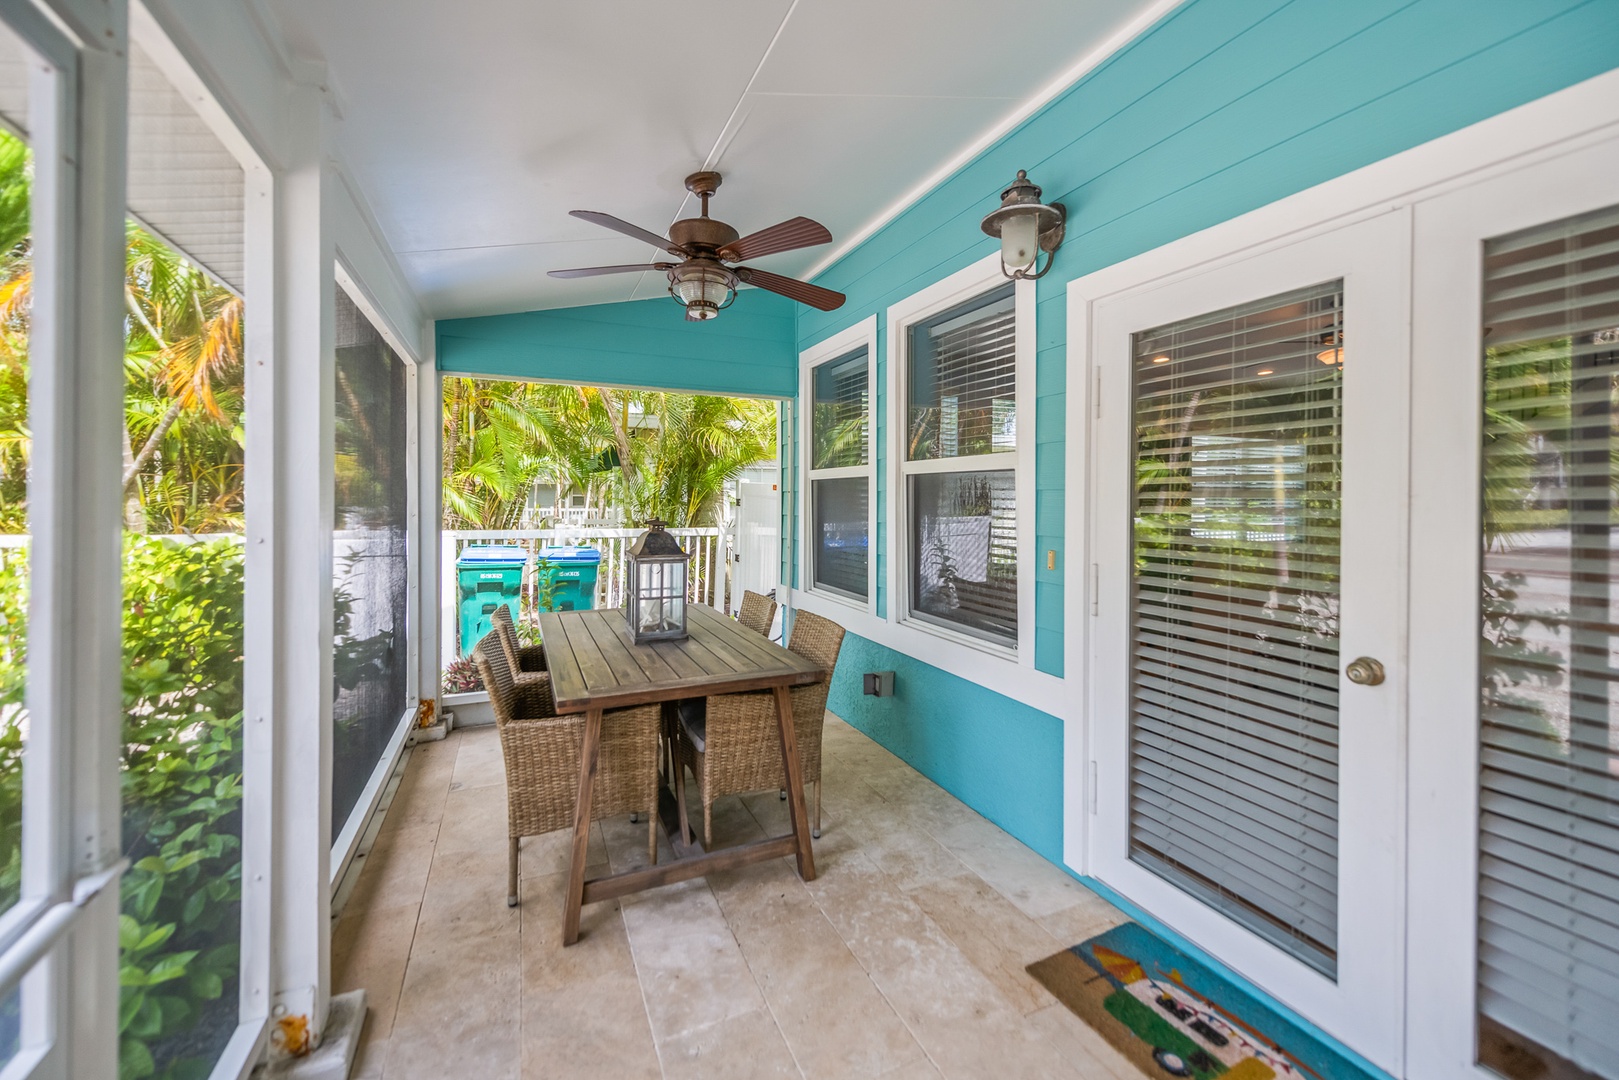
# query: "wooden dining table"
596, 666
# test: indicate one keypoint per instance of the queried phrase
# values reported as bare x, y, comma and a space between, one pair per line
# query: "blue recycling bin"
572, 573
489, 575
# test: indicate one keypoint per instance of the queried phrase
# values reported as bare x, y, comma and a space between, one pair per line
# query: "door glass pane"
842, 524
368, 555
841, 412
1234, 608
964, 548
962, 380
1549, 653
16, 446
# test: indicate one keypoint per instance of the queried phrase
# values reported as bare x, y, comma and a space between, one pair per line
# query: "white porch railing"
710, 576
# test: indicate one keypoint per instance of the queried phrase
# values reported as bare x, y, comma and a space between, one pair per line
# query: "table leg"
795, 783
589, 757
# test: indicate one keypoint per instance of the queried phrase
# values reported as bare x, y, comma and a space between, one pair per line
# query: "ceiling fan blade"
792, 288
608, 221
597, 271
790, 235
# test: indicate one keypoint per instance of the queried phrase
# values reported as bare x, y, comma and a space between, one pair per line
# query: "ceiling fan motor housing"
701, 233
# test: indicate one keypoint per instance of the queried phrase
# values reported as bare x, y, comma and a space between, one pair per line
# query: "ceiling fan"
702, 281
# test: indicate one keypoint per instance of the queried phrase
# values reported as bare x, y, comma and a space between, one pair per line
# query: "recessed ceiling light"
1160, 359
1265, 371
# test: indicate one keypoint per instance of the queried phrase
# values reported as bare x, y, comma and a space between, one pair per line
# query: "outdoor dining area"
664, 772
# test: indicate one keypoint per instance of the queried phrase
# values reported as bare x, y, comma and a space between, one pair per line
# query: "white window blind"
961, 500
962, 380
1548, 932
1234, 636
839, 476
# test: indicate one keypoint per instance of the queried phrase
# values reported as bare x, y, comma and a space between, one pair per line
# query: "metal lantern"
657, 601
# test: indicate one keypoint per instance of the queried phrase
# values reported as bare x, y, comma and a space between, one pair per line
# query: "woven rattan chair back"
742, 744
541, 753
757, 613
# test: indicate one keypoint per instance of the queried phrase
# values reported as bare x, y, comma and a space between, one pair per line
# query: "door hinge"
1096, 578
1096, 392
1093, 786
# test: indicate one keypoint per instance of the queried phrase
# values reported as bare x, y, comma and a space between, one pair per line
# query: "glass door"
1514, 903
1247, 668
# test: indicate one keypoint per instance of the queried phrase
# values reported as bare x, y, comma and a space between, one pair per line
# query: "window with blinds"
839, 475
962, 379
1234, 613
960, 390
1548, 900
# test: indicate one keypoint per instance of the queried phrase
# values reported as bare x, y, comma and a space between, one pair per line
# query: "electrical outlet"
879, 683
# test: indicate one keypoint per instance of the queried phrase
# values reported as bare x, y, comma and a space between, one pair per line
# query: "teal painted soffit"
748, 350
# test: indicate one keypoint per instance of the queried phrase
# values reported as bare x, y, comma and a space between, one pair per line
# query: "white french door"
1249, 471
1514, 749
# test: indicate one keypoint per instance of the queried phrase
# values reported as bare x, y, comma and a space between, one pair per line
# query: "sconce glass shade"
1020, 241
656, 607
1025, 227
703, 290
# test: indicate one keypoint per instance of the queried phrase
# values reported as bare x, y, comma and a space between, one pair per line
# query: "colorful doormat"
1169, 1013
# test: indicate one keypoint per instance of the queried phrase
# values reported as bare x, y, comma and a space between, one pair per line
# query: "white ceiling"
473, 127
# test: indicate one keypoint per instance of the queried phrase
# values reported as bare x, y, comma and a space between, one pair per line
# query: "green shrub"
182, 791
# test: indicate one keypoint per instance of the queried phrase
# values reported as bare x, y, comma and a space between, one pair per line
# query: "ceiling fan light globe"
702, 290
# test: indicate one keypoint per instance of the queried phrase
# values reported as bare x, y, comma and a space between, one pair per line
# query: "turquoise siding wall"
747, 350
1222, 107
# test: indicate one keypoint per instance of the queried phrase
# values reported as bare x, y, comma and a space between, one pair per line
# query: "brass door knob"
1364, 671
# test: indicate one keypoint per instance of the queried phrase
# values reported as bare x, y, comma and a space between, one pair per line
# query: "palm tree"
182, 363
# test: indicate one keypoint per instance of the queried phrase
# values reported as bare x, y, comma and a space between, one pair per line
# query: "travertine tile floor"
903, 959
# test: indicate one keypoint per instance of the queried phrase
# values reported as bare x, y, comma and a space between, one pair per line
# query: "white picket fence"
709, 579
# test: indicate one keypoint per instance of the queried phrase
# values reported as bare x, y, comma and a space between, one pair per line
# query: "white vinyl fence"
709, 580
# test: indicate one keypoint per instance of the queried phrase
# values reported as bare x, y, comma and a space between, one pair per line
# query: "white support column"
426, 514
72, 798
289, 482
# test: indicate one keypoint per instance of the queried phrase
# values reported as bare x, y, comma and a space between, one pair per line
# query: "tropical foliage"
182, 377
182, 637
645, 453
182, 791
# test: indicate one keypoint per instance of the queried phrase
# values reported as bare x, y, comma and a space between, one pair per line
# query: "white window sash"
917, 627
862, 335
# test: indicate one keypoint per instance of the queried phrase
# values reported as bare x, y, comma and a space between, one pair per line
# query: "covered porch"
1198, 423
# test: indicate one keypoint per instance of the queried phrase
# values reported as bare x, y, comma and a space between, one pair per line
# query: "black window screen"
368, 555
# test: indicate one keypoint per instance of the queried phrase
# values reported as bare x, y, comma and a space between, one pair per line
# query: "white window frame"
959, 288
59, 943
862, 335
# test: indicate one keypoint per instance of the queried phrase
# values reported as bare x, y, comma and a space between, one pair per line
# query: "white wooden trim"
1447, 394
243, 1052
348, 840
354, 287
909, 631
968, 658
862, 335
71, 791
289, 492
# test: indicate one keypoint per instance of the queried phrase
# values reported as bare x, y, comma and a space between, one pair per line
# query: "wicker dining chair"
527, 662
541, 751
736, 746
758, 613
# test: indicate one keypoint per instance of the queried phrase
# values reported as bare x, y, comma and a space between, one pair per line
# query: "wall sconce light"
1025, 226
